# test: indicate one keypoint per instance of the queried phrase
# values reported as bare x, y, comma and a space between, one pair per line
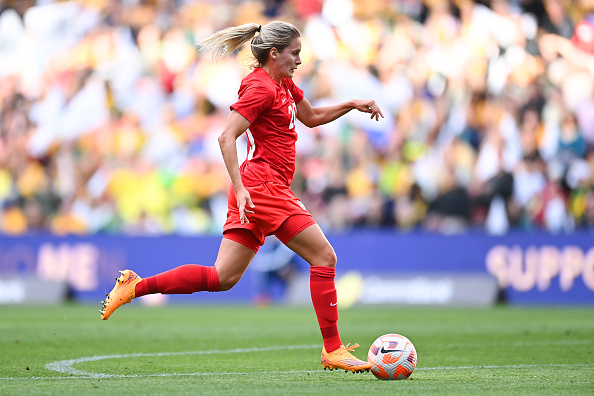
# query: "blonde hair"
276, 34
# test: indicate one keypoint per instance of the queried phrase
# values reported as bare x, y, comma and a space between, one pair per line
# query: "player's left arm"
314, 116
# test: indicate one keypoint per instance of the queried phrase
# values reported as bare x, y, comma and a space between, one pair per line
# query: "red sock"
185, 279
323, 297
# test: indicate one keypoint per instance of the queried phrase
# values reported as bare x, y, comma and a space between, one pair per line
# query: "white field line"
505, 366
66, 366
519, 344
100, 375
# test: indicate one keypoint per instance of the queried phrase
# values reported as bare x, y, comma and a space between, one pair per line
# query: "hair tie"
259, 29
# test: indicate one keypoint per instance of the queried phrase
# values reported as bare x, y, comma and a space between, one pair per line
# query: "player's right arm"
234, 127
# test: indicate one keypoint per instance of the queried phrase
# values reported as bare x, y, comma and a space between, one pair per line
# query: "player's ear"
273, 53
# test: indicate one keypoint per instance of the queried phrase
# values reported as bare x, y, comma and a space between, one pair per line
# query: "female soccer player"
260, 201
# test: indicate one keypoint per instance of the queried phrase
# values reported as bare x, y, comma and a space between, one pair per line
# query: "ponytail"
276, 34
224, 42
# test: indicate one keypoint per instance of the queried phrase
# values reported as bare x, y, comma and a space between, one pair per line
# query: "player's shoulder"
296, 92
259, 80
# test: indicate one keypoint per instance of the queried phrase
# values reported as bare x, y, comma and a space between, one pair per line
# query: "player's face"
288, 60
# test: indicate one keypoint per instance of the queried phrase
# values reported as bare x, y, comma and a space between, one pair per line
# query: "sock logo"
333, 304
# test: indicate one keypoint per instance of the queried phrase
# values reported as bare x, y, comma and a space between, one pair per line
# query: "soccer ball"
393, 357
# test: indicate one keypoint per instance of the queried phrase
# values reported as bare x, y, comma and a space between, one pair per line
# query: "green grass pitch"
244, 350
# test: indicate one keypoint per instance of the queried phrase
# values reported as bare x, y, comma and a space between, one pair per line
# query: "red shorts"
276, 212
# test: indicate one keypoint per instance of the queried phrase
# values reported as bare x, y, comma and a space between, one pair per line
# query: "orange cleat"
342, 359
122, 293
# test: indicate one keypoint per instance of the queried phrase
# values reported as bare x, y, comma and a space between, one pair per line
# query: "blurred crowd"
109, 115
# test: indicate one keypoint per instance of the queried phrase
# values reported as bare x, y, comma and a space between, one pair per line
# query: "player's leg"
311, 244
313, 247
231, 263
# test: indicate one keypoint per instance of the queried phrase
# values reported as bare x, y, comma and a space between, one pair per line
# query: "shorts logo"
301, 205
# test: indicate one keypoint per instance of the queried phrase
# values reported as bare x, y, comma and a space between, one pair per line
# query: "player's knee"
227, 282
331, 258
327, 258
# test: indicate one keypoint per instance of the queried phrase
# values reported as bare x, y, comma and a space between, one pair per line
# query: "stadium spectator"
96, 94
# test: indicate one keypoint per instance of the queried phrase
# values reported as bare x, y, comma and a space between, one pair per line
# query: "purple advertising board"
529, 268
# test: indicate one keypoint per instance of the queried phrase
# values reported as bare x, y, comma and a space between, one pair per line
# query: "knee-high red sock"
185, 279
323, 297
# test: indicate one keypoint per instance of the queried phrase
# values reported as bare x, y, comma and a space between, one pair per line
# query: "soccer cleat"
342, 359
122, 293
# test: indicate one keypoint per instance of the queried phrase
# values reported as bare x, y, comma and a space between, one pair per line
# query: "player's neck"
272, 75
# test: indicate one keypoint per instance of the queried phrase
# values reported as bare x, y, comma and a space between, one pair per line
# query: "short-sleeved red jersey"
271, 109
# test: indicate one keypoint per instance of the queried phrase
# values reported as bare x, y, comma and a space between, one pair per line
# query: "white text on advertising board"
526, 268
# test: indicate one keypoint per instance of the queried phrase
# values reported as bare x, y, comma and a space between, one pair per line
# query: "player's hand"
244, 201
369, 106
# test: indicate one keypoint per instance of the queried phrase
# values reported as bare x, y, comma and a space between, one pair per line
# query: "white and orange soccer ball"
393, 357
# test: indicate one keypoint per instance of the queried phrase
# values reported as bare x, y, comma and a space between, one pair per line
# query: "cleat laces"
350, 347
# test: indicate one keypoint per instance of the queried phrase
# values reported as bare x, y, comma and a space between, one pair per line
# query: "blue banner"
530, 268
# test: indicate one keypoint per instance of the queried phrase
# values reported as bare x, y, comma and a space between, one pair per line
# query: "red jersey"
271, 109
